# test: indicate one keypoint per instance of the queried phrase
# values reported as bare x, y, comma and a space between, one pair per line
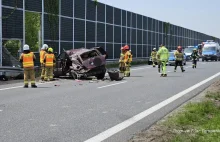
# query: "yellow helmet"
50, 49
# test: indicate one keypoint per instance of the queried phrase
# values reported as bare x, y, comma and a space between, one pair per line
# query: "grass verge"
196, 121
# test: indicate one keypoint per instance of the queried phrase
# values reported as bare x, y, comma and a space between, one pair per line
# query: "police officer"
153, 56
49, 60
127, 60
27, 58
163, 55
42, 54
179, 58
194, 57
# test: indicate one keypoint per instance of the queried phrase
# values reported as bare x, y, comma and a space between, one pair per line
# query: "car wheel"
100, 76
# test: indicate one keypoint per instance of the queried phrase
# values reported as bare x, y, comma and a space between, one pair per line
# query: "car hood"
171, 58
188, 54
208, 52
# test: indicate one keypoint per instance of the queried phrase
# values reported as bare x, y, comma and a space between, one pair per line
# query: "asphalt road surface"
75, 111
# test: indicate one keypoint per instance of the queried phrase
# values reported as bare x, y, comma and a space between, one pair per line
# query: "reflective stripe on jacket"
28, 60
121, 58
49, 59
42, 54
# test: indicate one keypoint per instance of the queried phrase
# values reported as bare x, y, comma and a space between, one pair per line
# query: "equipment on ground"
115, 75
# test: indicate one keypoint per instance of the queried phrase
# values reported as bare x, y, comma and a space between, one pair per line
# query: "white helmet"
26, 47
154, 49
45, 46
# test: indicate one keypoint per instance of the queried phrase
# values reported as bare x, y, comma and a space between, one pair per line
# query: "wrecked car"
78, 63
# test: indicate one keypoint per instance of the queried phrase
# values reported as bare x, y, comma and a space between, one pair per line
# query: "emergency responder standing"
127, 61
153, 56
179, 56
121, 61
42, 54
163, 55
131, 57
27, 58
49, 60
194, 57
158, 60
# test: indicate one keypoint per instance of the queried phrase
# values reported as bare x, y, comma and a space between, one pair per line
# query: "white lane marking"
1, 110
140, 68
111, 85
2, 89
121, 126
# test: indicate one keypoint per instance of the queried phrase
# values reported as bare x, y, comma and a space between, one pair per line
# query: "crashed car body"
81, 62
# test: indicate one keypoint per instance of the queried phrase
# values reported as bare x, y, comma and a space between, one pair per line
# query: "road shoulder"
164, 130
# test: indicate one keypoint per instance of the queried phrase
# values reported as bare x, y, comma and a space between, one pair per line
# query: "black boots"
33, 86
163, 75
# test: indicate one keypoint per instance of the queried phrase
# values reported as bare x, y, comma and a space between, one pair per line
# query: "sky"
198, 15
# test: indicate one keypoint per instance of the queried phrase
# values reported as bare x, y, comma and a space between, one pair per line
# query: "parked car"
188, 51
78, 63
171, 60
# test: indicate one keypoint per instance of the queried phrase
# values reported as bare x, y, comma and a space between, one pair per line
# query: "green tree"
32, 27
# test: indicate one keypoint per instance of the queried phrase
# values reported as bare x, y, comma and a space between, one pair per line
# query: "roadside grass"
198, 122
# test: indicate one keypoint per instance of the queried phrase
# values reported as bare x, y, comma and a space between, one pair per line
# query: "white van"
211, 51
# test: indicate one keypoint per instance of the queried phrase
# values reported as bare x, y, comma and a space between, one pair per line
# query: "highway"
111, 111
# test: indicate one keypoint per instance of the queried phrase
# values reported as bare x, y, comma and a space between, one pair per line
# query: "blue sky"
198, 15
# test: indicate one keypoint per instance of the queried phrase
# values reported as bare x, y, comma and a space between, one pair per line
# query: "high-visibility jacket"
127, 58
42, 54
178, 55
49, 60
153, 54
163, 54
27, 59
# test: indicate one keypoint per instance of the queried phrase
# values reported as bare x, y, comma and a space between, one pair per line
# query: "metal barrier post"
0, 33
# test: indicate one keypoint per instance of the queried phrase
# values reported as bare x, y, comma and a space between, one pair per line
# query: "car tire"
100, 76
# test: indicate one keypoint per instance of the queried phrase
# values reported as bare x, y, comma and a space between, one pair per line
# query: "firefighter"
131, 57
121, 61
179, 56
27, 58
49, 60
158, 60
153, 56
194, 57
42, 54
163, 55
127, 60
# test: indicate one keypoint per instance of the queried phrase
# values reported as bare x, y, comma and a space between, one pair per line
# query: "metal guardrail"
13, 72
